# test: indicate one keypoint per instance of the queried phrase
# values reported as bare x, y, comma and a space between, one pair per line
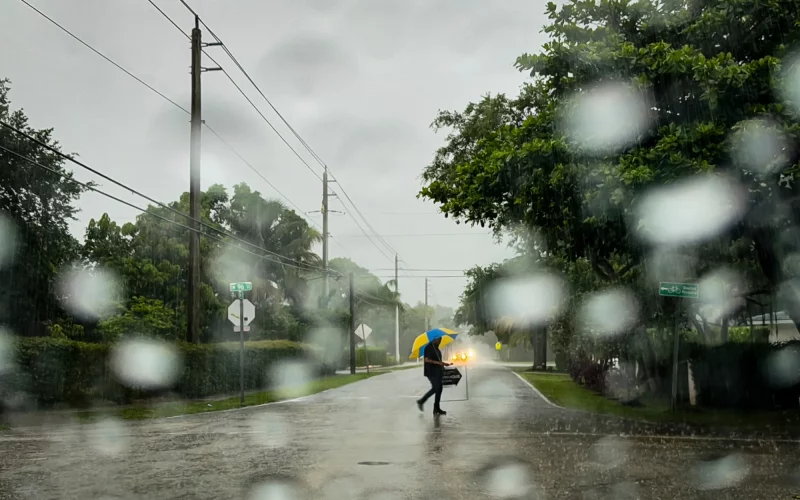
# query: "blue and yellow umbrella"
426, 338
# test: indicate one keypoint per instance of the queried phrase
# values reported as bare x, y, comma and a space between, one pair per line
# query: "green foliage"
148, 317
36, 207
509, 163
53, 370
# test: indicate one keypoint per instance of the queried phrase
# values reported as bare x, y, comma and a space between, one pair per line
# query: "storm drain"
373, 463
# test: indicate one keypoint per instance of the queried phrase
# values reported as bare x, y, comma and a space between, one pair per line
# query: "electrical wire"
136, 207
289, 126
146, 197
163, 96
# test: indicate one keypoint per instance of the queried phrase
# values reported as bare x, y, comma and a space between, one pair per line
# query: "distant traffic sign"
680, 290
498, 346
363, 331
242, 286
451, 376
248, 311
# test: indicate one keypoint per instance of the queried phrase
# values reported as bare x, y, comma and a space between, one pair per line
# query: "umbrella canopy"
426, 338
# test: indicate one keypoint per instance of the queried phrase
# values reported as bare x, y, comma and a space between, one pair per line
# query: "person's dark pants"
436, 390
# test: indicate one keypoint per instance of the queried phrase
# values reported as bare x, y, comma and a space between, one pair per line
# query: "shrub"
588, 372
743, 375
55, 370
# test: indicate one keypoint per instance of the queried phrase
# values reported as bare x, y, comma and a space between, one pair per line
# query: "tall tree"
36, 206
709, 77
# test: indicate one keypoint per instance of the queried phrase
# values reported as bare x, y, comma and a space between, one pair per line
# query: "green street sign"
681, 290
243, 286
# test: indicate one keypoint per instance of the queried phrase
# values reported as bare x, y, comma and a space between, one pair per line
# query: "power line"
163, 96
146, 197
408, 235
104, 56
129, 204
289, 126
422, 270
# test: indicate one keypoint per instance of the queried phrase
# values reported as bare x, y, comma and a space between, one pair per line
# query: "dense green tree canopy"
714, 84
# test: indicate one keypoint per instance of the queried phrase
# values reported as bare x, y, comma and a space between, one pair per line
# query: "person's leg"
437, 388
431, 392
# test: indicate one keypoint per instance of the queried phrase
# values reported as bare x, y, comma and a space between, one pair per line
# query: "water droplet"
290, 378
270, 430
8, 240
690, 211
720, 473
7, 361
508, 479
790, 81
759, 146
275, 489
146, 363
525, 301
107, 436
610, 452
783, 366
719, 289
89, 293
328, 343
606, 118
611, 312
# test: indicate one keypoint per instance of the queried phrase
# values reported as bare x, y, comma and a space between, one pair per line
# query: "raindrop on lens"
145, 363
508, 479
689, 211
610, 452
270, 430
89, 293
607, 118
525, 300
783, 366
611, 312
720, 473
290, 379
6, 352
275, 489
107, 436
759, 146
8, 240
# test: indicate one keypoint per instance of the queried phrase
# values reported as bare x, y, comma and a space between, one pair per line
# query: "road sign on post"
242, 286
363, 332
241, 313
247, 309
498, 346
680, 290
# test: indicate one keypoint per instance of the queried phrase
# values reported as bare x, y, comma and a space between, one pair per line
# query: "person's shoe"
439, 412
419, 405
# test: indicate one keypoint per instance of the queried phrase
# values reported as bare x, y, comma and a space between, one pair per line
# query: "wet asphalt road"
368, 441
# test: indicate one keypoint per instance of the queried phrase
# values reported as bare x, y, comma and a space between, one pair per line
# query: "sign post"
363, 332
240, 288
498, 346
677, 291
452, 376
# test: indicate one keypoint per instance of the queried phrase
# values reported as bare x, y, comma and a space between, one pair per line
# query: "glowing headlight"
471, 353
455, 357
463, 355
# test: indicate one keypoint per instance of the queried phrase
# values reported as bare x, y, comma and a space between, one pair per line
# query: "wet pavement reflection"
368, 440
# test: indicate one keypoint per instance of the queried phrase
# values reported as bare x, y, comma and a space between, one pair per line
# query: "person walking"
434, 371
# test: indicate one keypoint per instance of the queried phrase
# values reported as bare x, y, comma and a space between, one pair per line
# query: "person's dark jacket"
431, 370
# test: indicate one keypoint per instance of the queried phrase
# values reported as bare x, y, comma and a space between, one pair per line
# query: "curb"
539, 393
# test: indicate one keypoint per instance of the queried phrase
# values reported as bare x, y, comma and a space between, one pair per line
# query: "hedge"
52, 370
747, 375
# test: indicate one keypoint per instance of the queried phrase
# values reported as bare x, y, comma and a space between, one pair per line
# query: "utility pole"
325, 291
352, 333
396, 315
193, 333
427, 325
193, 302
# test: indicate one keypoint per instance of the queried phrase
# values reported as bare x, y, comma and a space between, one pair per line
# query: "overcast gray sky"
360, 80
